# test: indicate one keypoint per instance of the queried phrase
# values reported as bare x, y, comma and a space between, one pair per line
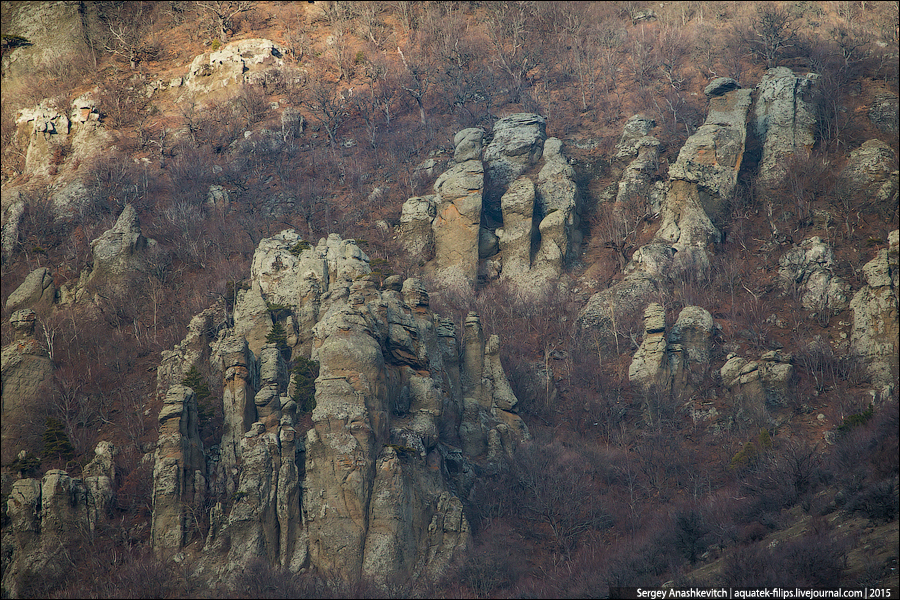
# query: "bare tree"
772, 30
223, 12
328, 107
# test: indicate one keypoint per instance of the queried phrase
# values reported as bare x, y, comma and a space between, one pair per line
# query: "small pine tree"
304, 373
195, 380
56, 442
278, 337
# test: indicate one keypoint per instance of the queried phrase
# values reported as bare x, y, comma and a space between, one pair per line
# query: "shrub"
878, 502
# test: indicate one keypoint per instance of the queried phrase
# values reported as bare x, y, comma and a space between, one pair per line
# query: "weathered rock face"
670, 361
367, 490
876, 327
870, 178
807, 271
47, 129
36, 290
518, 234
785, 120
26, 373
703, 179
767, 381
119, 250
416, 233
48, 517
884, 112
457, 224
517, 145
702, 183
557, 200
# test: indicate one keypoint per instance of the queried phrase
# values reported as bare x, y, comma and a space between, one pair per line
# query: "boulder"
649, 363
36, 291
785, 120
768, 381
720, 86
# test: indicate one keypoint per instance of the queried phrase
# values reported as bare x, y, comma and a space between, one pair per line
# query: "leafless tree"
772, 30
222, 13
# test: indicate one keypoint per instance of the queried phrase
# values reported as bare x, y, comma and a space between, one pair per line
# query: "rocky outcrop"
870, 180
26, 373
884, 112
671, 362
785, 120
416, 234
768, 381
119, 251
49, 517
54, 137
372, 488
558, 205
703, 179
236, 62
517, 236
36, 291
875, 318
487, 221
807, 271
701, 186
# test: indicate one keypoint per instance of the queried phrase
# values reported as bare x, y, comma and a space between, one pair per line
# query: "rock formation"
373, 488
785, 120
767, 381
808, 272
670, 362
870, 179
36, 290
236, 62
486, 219
49, 517
26, 373
701, 185
876, 326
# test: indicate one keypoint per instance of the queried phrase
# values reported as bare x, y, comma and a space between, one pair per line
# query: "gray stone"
36, 290
720, 85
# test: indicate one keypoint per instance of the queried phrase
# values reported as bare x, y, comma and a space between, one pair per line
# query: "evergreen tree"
304, 373
195, 380
56, 442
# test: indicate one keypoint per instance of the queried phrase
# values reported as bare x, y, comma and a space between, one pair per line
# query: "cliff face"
400, 418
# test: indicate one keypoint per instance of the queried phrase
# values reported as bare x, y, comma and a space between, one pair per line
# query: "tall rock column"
785, 120
458, 222
876, 325
238, 365
179, 484
349, 421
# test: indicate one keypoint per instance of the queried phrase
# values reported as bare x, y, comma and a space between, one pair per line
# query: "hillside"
466, 299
